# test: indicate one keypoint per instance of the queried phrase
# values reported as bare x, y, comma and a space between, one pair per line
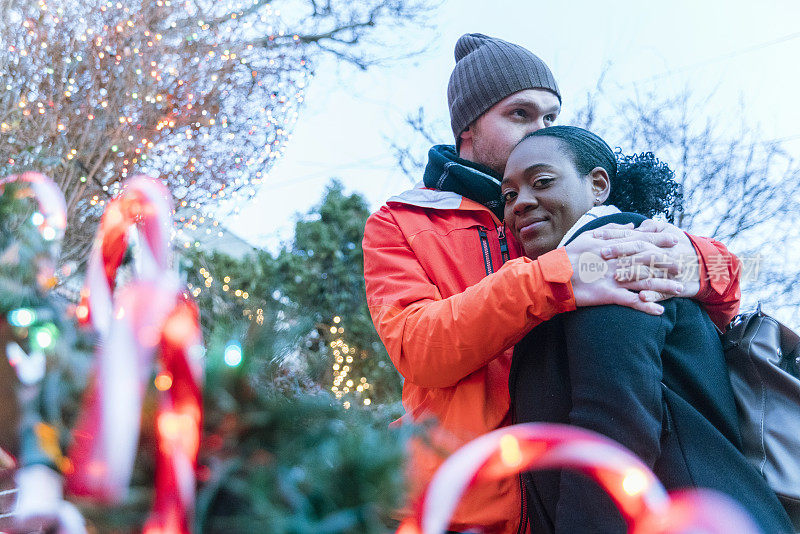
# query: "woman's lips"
532, 227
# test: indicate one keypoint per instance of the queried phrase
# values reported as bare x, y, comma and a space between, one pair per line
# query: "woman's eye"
520, 113
542, 182
508, 196
550, 118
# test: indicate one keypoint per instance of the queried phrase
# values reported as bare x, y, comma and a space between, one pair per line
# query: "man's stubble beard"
488, 156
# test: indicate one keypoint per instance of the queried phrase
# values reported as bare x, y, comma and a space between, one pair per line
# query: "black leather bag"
763, 357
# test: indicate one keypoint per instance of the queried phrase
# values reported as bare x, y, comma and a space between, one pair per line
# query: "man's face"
491, 138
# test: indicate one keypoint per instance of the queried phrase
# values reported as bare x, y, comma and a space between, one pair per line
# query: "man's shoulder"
415, 203
432, 204
425, 197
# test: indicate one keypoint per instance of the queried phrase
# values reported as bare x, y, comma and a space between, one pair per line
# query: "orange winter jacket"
449, 312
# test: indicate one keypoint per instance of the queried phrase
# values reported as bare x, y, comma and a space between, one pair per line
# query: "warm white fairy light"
343, 382
257, 315
204, 109
208, 281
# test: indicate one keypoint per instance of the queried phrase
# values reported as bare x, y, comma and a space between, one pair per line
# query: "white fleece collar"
594, 213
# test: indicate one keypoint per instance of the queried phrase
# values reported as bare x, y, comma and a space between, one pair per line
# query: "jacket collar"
447, 172
594, 213
423, 197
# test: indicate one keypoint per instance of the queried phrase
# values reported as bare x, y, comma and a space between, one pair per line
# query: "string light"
634, 482
208, 281
163, 381
510, 453
22, 317
258, 316
44, 337
233, 354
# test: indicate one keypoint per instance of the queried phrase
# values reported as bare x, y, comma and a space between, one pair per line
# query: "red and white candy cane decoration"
50, 202
642, 500
148, 315
143, 204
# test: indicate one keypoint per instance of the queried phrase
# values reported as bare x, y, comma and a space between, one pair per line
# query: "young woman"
656, 384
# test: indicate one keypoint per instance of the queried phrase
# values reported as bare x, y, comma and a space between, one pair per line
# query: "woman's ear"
601, 185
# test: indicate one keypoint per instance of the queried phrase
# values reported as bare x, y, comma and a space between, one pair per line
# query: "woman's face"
543, 193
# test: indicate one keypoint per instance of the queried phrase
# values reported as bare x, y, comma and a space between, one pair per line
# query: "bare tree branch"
200, 94
412, 156
738, 187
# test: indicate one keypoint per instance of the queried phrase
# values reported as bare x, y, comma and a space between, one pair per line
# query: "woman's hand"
640, 247
604, 274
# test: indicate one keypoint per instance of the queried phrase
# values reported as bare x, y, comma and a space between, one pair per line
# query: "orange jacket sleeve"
720, 273
433, 341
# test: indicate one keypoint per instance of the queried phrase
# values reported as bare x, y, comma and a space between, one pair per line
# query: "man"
449, 306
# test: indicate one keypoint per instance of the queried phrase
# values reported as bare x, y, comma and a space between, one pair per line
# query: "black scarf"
448, 172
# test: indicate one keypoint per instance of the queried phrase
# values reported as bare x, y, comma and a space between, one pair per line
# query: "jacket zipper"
523, 521
523, 512
501, 233
487, 253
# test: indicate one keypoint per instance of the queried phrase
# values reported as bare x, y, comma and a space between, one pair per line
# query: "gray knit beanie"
488, 70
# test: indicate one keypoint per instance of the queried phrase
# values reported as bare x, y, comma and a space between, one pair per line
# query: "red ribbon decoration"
640, 497
149, 315
178, 423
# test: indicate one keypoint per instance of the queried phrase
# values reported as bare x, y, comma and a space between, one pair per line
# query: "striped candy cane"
642, 500
144, 205
148, 316
178, 422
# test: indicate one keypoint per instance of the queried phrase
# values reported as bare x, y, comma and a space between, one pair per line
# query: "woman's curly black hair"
639, 183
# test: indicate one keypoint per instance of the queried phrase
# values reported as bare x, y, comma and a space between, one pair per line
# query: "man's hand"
655, 249
596, 278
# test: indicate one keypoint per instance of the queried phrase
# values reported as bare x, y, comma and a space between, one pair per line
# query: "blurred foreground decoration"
279, 454
299, 463
34, 334
29, 248
640, 497
149, 315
